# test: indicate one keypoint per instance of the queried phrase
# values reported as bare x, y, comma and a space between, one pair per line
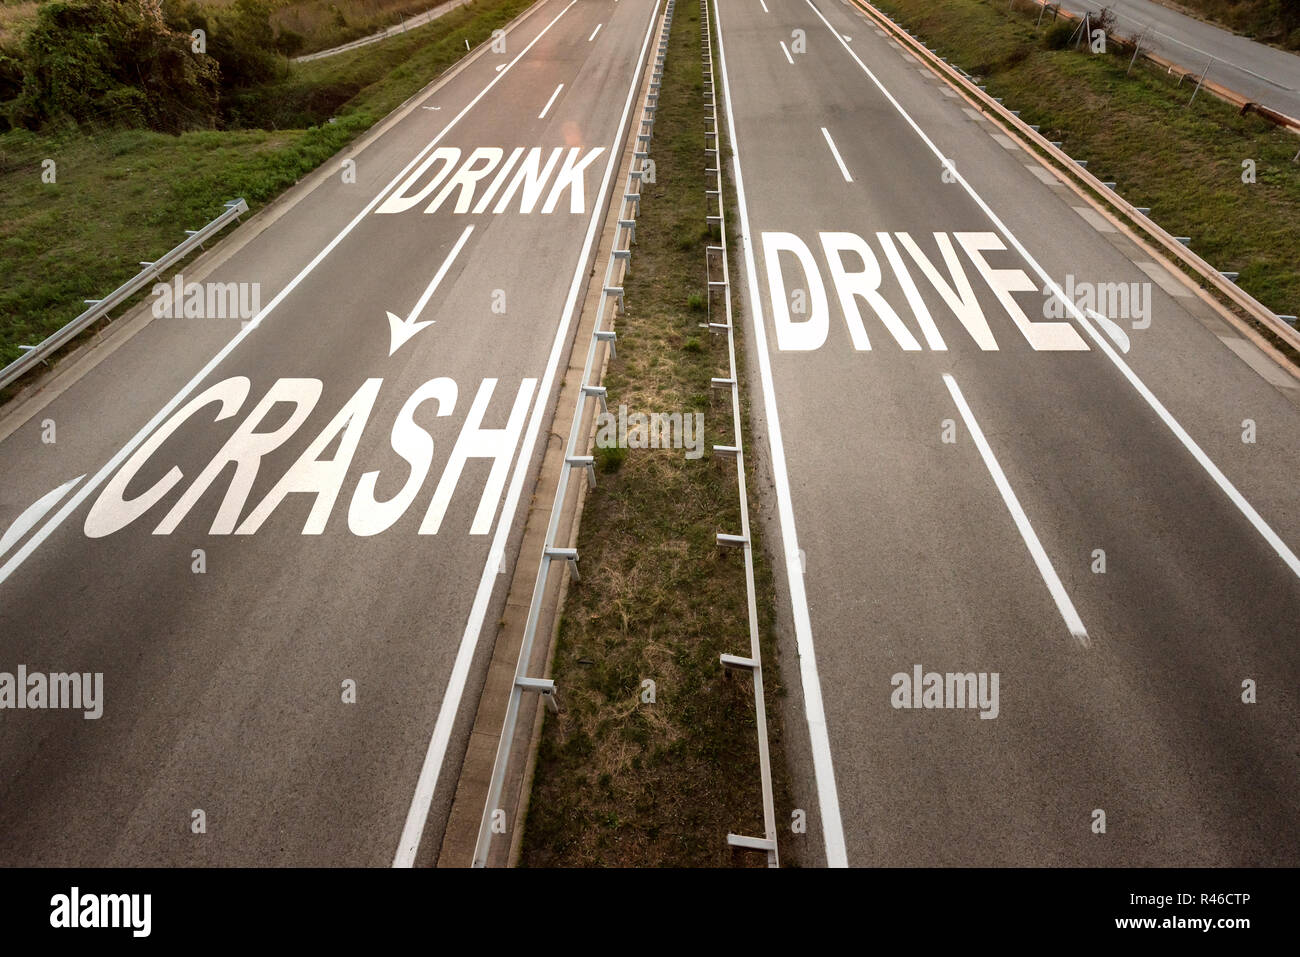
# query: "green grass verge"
1184, 162
126, 196
620, 782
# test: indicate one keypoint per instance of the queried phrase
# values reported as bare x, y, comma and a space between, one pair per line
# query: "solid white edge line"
546, 109
823, 767
34, 542
1237, 499
427, 785
786, 52
836, 153
594, 32
1063, 603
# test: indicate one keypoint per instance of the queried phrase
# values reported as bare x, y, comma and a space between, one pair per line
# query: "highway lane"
1257, 71
949, 470
350, 472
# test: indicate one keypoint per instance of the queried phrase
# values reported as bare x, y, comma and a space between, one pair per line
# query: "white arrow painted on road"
35, 513
403, 329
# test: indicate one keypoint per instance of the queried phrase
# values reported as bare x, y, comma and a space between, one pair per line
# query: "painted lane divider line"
594, 32
1063, 603
546, 109
836, 153
786, 51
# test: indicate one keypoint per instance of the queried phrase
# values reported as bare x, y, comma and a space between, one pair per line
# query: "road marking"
165, 412
787, 53
1052, 580
542, 115
828, 799
594, 32
764, 5
1162, 278
1043, 174
1094, 219
836, 153
1284, 552
427, 785
401, 330
1250, 355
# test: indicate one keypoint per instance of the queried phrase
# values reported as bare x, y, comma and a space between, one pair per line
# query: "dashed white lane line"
547, 107
594, 32
786, 51
839, 160
764, 5
1062, 598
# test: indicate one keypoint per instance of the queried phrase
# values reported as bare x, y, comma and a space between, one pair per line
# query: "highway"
281, 539
966, 475
1257, 71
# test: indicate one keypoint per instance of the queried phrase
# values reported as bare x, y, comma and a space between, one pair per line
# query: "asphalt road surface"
1102, 514
1257, 71
350, 473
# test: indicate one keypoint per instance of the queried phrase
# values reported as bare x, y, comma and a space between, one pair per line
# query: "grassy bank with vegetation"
125, 194
1137, 129
619, 781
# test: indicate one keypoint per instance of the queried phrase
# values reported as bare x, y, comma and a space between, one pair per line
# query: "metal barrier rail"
601, 344
1177, 247
100, 308
753, 664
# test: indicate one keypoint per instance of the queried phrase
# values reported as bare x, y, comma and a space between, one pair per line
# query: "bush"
115, 61
1057, 36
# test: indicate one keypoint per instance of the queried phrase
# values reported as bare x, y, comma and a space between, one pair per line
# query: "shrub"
115, 61
1057, 36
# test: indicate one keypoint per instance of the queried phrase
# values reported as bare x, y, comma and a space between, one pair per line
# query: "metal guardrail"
600, 346
753, 664
100, 308
1177, 247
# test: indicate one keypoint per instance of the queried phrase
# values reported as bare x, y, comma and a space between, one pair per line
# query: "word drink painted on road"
801, 308
488, 180
313, 473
